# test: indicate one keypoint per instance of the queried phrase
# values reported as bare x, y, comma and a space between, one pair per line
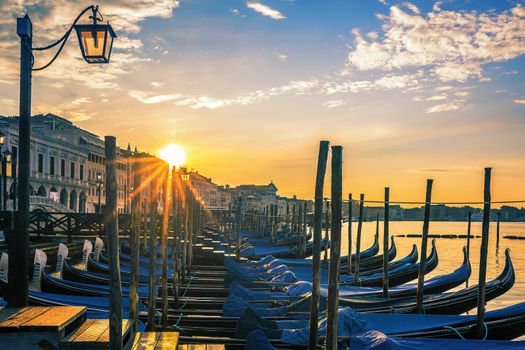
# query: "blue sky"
411, 89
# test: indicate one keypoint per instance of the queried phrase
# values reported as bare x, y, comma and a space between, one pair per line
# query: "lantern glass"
96, 41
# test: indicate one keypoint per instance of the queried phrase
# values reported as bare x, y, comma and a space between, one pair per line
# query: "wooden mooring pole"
480, 321
135, 242
468, 241
304, 233
385, 242
424, 240
350, 200
498, 214
318, 232
358, 242
152, 246
299, 250
327, 230
175, 198
111, 221
164, 242
335, 249
238, 227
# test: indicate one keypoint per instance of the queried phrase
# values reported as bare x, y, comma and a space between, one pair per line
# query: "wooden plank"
93, 334
104, 337
8, 312
57, 317
25, 314
155, 341
167, 340
145, 340
79, 331
201, 347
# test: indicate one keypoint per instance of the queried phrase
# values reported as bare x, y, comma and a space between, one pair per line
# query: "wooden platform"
155, 341
94, 334
33, 326
201, 347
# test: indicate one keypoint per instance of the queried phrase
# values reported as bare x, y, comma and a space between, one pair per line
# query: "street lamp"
5, 159
100, 182
19, 245
184, 174
2, 140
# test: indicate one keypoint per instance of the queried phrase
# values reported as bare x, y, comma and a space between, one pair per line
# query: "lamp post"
5, 159
2, 140
14, 157
100, 182
96, 42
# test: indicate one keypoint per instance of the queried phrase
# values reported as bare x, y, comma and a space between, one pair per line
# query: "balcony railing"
42, 201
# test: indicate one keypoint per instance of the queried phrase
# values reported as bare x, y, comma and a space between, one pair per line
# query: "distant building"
256, 197
67, 164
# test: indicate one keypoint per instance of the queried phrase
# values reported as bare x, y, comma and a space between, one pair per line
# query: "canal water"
450, 250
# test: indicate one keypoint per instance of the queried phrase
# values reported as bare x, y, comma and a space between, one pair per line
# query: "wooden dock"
67, 328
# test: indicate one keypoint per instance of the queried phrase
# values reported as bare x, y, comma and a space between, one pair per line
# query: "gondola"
438, 284
452, 303
502, 324
75, 274
282, 275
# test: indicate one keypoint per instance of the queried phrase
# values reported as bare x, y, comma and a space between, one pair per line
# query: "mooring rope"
186, 302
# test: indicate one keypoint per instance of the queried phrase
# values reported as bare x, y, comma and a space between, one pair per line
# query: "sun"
173, 154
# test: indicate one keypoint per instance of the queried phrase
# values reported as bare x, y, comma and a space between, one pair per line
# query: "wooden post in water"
327, 229
358, 243
287, 227
350, 234
176, 229
145, 229
239, 223
424, 240
316, 256
303, 243
385, 242
191, 230
299, 230
377, 226
293, 221
135, 242
164, 242
335, 249
152, 252
498, 214
483, 256
111, 220
468, 240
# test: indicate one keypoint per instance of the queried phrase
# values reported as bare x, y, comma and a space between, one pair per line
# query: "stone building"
67, 166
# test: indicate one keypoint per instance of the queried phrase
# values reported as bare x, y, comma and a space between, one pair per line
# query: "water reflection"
450, 250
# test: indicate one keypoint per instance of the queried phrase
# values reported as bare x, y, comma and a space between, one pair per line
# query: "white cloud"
440, 97
282, 57
157, 84
454, 44
333, 103
52, 18
372, 35
264, 10
80, 101
149, 98
519, 101
411, 7
445, 107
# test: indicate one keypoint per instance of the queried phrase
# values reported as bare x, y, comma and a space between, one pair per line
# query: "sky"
411, 90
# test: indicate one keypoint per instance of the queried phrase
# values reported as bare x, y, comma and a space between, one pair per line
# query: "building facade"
67, 167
